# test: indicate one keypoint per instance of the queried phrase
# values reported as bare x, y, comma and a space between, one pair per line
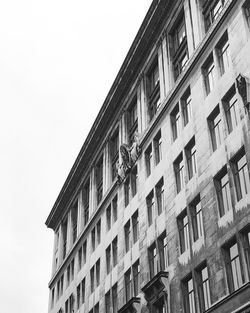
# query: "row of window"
236, 255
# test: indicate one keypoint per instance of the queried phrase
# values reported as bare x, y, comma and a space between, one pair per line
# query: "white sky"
58, 60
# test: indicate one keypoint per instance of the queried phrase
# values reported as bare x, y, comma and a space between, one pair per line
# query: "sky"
58, 60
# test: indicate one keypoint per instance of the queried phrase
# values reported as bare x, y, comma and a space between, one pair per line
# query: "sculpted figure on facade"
129, 155
243, 85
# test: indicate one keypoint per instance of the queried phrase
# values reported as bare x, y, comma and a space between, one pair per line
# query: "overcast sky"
58, 60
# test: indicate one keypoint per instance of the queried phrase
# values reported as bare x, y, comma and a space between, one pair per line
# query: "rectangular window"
153, 88
108, 217
223, 53
114, 251
183, 227
197, 220
214, 123
135, 223
78, 296
179, 173
126, 191
159, 190
96, 308
241, 174
84, 252
153, 261
136, 277
246, 246
149, 160
58, 289
114, 298
68, 275
222, 187
93, 239
160, 305
158, 148
64, 235
150, 207
233, 267
163, 251
208, 74
175, 122
98, 231
80, 258
108, 259
186, 106
52, 298
132, 120
114, 152
134, 177
85, 199
74, 217
180, 47
203, 288
107, 303
72, 269
128, 285
71, 303
99, 180
61, 280
83, 291
188, 295
127, 233
67, 306
211, 11
98, 273
190, 150
231, 107
246, 8
114, 207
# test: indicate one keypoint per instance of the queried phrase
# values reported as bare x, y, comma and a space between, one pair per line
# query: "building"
154, 215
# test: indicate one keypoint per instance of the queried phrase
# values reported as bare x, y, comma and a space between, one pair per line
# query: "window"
136, 277
85, 197
246, 246
108, 217
191, 158
186, 107
52, 298
58, 289
223, 53
153, 261
214, 122
74, 216
197, 221
127, 233
208, 74
188, 295
71, 303
150, 207
98, 273
128, 285
134, 177
163, 251
96, 308
149, 160
83, 291
114, 152
107, 303
114, 251
132, 121
92, 279
159, 306
158, 148
212, 10
114, 207
203, 288
61, 283
84, 252
98, 231
222, 187
233, 267
153, 88
231, 108
78, 296
159, 190
114, 298
67, 306
246, 8
99, 180
179, 173
72, 269
126, 192
135, 223
64, 235
108, 259
80, 258
175, 122
241, 174
93, 239
183, 227
180, 48
68, 275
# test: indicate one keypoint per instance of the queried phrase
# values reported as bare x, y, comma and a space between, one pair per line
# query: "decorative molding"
243, 86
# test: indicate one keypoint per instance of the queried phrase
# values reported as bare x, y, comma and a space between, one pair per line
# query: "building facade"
154, 215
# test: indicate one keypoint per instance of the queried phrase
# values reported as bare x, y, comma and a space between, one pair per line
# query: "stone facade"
179, 207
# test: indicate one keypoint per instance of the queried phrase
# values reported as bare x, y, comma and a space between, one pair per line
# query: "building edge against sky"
154, 215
